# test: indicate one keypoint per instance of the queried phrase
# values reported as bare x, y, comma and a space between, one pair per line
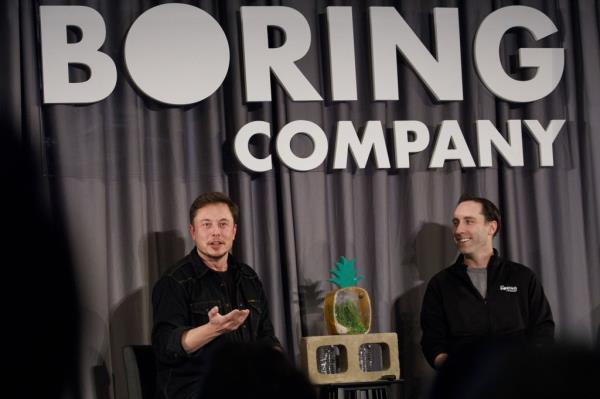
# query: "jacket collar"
200, 268
493, 263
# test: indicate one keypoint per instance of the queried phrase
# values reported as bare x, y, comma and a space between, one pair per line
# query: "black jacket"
455, 314
181, 300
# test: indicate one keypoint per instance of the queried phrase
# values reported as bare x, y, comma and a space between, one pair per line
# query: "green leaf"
346, 275
347, 314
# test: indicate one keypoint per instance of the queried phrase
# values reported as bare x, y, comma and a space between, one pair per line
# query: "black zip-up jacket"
455, 314
181, 300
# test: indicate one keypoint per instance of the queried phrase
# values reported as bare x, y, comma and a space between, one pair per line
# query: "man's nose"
458, 228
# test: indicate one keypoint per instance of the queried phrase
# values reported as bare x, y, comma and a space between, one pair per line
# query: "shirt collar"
200, 267
492, 263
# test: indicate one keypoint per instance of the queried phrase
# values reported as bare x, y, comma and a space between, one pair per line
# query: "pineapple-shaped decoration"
347, 310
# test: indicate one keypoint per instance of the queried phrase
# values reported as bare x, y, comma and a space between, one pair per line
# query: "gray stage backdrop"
123, 171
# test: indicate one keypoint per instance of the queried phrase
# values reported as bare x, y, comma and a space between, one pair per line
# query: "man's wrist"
197, 337
209, 330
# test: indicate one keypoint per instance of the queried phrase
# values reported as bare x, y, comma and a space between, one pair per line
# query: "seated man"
482, 296
205, 300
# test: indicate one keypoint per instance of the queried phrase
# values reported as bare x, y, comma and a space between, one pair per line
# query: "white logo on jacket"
508, 288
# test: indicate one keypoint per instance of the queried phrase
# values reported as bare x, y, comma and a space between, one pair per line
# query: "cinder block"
349, 361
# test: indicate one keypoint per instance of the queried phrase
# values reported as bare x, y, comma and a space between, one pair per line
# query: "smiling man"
482, 297
205, 300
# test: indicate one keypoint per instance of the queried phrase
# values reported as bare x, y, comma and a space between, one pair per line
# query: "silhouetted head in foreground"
502, 371
255, 371
40, 301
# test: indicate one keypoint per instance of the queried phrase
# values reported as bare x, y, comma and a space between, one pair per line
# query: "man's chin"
463, 250
216, 256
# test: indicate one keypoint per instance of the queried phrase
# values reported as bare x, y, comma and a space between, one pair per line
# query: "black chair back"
140, 370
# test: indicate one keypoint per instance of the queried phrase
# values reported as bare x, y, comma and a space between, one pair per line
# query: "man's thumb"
213, 312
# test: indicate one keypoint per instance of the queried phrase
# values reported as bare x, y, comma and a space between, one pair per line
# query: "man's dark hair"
214, 198
488, 209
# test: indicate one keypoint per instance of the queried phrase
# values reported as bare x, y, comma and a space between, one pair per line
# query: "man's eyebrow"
454, 219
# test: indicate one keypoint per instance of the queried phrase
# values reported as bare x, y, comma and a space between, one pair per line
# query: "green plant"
347, 314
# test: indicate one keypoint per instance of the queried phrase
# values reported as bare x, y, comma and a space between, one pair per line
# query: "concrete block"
348, 360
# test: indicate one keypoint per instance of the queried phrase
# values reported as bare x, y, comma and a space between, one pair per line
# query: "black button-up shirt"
181, 300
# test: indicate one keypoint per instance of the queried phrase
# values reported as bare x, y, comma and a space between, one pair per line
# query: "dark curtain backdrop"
121, 174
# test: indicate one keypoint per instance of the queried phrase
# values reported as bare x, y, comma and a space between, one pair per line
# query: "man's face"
213, 231
472, 233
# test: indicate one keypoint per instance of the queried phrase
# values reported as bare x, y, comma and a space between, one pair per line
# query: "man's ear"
192, 230
493, 227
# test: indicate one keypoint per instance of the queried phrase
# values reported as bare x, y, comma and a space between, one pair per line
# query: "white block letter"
284, 141
57, 54
550, 62
389, 31
545, 138
177, 54
404, 147
260, 60
341, 53
511, 151
241, 144
442, 151
347, 140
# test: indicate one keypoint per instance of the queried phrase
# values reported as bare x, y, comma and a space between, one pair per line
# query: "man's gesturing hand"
229, 322
196, 338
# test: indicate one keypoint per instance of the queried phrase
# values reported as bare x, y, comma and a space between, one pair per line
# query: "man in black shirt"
205, 300
482, 297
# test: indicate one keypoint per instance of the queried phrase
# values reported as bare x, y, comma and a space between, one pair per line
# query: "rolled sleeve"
171, 320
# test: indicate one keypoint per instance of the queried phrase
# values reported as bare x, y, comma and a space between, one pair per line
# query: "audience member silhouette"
254, 371
502, 371
40, 316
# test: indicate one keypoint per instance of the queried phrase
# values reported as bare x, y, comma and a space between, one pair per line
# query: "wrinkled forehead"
468, 209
